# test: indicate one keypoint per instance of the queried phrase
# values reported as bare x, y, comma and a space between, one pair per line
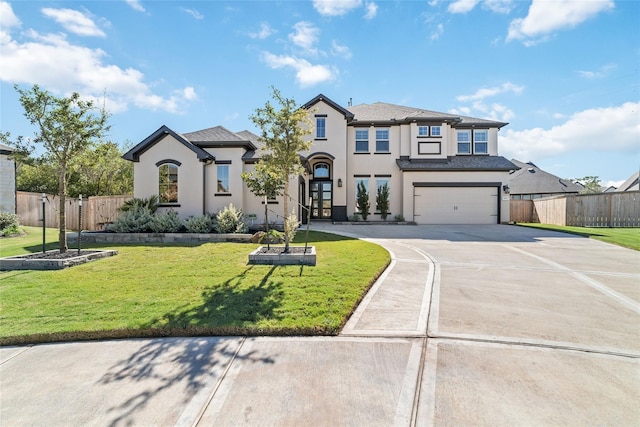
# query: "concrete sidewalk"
470, 325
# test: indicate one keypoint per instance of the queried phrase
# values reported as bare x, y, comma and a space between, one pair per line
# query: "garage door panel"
456, 205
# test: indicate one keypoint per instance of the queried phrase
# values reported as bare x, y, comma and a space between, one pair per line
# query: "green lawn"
205, 289
626, 237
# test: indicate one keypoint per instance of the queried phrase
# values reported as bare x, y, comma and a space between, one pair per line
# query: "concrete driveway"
470, 325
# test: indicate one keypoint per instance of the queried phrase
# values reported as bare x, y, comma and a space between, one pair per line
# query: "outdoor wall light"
339, 182
506, 189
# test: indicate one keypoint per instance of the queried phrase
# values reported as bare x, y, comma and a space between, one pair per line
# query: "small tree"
382, 201
66, 127
264, 183
362, 197
591, 184
283, 132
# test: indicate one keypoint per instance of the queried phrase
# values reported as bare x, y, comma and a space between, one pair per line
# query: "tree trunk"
286, 212
62, 228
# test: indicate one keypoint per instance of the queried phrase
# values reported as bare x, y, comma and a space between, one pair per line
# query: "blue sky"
564, 74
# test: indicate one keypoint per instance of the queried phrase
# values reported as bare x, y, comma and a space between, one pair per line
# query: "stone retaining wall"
92, 237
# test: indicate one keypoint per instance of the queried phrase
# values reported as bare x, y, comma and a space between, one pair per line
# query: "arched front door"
321, 192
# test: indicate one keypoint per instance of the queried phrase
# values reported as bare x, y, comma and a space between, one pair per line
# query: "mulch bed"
72, 253
280, 250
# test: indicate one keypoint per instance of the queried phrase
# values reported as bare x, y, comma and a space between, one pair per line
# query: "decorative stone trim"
279, 258
22, 262
91, 237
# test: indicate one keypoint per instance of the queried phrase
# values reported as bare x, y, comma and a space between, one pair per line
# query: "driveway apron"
469, 325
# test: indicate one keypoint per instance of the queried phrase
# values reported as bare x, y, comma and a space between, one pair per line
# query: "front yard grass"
186, 290
626, 237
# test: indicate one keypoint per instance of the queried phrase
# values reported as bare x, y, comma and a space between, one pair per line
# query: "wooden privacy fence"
584, 210
96, 211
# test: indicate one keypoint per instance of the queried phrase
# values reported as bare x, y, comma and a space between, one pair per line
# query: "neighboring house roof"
5, 149
609, 189
457, 163
217, 136
530, 179
391, 113
631, 184
348, 115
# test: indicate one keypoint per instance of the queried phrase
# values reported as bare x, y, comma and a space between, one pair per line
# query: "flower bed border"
97, 237
308, 258
22, 262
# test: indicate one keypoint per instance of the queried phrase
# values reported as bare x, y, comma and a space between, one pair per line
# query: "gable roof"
631, 184
134, 154
530, 179
5, 149
348, 115
392, 113
219, 136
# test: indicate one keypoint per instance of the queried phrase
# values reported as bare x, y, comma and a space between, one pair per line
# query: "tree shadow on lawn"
227, 308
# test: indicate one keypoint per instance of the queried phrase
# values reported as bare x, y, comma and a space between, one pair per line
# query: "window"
423, 130
429, 131
320, 170
436, 131
223, 178
365, 182
362, 140
321, 130
480, 141
464, 142
382, 140
168, 183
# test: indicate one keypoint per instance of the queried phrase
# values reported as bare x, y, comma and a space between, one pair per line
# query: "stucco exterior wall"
215, 200
146, 175
7, 184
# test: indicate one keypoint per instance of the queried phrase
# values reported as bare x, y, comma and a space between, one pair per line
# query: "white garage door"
455, 205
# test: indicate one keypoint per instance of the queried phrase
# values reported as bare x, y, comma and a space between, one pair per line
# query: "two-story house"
440, 168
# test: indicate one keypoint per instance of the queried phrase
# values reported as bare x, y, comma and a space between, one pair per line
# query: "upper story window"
481, 141
423, 130
223, 178
436, 130
382, 140
320, 170
321, 127
168, 183
429, 130
464, 141
362, 140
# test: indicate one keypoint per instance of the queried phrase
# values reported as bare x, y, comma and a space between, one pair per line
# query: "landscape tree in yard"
282, 133
591, 184
382, 201
362, 197
66, 128
265, 183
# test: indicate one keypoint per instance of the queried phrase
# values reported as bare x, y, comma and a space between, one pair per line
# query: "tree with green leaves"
265, 183
591, 184
362, 199
382, 201
66, 128
282, 133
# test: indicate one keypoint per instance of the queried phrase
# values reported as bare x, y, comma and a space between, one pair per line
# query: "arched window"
168, 183
320, 170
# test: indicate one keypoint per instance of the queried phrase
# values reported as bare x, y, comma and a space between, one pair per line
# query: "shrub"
291, 224
273, 236
166, 222
230, 220
138, 219
355, 217
200, 224
399, 218
9, 224
151, 203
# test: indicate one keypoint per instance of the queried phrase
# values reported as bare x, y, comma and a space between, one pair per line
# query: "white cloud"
601, 73
498, 6
335, 7
435, 35
598, 129
264, 32
545, 17
194, 13
493, 91
307, 74
136, 5
74, 21
59, 66
305, 36
8, 19
189, 93
340, 50
462, 6
372, 10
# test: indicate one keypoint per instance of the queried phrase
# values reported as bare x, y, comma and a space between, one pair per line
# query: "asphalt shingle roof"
530, 179
381, 111
214, 134
457, 163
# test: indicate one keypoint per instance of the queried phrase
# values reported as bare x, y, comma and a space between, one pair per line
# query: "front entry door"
321, 199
